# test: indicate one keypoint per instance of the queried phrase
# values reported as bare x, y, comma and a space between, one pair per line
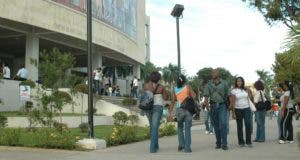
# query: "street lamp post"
90, 80
177, 13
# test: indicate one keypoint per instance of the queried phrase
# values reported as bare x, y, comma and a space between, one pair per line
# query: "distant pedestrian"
216, 94
260, 114
5, 71
241, 111
135, 86
183, 116
154, 115
22, 74
287, 112
208, 122
97, 80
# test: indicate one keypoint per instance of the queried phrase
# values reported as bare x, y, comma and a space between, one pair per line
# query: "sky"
214, 33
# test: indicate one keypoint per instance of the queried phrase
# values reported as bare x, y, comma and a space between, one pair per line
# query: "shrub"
94, 110
167, 130
52, 138
129, 101
122, 135
28, 83
82, 88
3, 121
120, 118
60, 127
9, 136
133, 119
84, 127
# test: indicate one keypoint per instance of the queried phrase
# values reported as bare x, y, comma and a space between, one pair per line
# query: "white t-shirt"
98, 75
7, 72
135, 82
257, 96
241, 101
290, 102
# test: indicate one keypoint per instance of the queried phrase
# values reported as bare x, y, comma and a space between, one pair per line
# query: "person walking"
260, 114
286, 124
208, 122
241, 112
216, 94
183, 116
135, 86
154, 115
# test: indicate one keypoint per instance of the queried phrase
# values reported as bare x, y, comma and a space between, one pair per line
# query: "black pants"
244, 115
286, 126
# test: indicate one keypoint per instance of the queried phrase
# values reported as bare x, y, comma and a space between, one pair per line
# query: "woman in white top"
241, 111
154, 115
287, 111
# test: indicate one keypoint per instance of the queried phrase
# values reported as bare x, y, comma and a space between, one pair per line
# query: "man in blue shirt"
22, 74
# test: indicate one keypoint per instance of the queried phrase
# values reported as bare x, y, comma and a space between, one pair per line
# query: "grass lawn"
103, 131
22, 114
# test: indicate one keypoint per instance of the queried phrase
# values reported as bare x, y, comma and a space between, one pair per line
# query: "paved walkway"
202, 146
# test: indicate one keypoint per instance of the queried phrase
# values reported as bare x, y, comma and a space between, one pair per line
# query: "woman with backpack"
287, 111
155, 113
183, 116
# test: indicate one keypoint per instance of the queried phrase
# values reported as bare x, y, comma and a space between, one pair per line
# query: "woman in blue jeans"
154, 115
260, 114
184, 117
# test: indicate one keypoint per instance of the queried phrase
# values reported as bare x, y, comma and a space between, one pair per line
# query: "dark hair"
181, 81
259, 85
155, 77
4, 63
290, 88
243, 83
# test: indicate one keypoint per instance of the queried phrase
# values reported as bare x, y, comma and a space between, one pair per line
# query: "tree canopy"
286, 11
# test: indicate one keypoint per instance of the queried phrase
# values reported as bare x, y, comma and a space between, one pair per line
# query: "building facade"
30, 26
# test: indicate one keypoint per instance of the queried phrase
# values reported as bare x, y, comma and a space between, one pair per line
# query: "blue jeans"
219, 116
154, 117
244, 116
184, 122
260, 121
208, 121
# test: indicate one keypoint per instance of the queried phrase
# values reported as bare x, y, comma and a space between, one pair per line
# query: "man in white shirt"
5, 71
22, 74
135, 86
97, 79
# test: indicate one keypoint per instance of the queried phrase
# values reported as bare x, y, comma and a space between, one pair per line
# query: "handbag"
263, 105
252, 106
146, 99
190, 105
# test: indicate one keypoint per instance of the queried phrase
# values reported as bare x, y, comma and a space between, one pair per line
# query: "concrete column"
32, 53
97, 59
137, 70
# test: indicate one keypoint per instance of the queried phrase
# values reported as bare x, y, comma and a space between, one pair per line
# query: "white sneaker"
211, 133
291, 142
206, 132
281, 142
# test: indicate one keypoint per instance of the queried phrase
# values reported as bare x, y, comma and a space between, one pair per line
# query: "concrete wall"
55, 17
9, 93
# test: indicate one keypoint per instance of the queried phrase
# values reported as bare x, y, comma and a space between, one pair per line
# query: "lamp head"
177, 10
